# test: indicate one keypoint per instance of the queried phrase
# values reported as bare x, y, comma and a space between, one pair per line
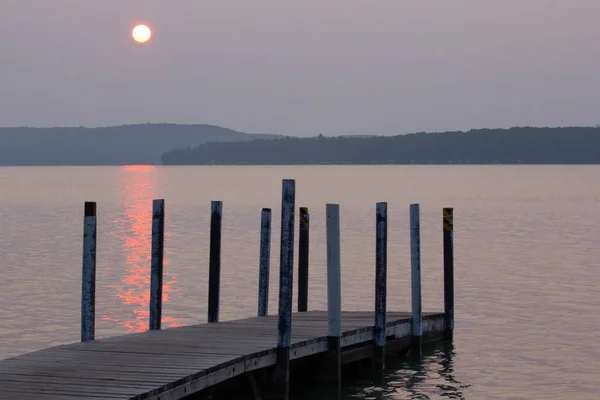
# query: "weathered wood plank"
97, 374
80, 381
59, 388
18, 395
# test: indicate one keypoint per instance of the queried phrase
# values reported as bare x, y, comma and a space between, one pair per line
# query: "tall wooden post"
265, 259
303, 249
286, 274
448, 224
334, 293
214, 272
415, 262
156, 263
380, 285
88, 282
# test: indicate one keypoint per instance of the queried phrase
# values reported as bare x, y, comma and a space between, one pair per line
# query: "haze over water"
302, 68
526, 261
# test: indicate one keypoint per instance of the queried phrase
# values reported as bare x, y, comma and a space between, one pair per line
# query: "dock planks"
176, 362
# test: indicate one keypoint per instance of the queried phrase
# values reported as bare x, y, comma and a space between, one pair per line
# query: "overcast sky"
302, 67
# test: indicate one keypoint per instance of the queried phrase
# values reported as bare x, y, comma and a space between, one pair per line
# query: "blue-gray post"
334, 294
334, 274
156, 263
448, 224
380, 284
88, 283
286, 273
264, 263
214, 267
415, 262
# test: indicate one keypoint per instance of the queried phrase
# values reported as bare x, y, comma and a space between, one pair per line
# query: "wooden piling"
334, 294
303, 249
214, 272
156, 263
286, 274
380, 285
448, 224
88, 283
415, 262
264, 263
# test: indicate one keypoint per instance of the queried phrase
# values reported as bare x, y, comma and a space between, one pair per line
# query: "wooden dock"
177, 362
167, 364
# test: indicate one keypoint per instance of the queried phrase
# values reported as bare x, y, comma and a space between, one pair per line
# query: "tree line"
519, 145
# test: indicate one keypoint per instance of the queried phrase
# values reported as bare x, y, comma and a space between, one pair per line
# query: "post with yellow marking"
448, 223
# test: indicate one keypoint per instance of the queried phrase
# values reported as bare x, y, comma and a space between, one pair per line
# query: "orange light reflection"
140, 186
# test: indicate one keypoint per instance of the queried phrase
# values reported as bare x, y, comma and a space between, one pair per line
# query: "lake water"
527, 261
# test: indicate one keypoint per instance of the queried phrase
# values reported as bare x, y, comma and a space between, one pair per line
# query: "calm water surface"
527, 258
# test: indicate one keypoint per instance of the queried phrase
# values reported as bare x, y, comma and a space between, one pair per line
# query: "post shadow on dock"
281, 382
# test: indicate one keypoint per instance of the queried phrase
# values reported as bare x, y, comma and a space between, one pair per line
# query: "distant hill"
115, 145
526, 145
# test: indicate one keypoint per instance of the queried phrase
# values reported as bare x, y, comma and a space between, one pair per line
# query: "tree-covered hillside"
575, 145
115, 145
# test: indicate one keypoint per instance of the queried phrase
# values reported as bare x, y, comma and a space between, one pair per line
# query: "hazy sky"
302, 67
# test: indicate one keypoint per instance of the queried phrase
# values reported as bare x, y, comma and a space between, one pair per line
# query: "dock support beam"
156, 263
334, 294
286, 275
448, 224
380, 285
264, 263
88, 281
214, 271
303, 249
415, 263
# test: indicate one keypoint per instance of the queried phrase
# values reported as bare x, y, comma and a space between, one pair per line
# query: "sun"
141, 33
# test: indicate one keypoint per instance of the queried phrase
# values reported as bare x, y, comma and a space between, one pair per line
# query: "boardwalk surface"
173, 363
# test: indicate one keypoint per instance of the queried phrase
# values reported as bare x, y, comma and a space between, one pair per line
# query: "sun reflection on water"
139, 186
